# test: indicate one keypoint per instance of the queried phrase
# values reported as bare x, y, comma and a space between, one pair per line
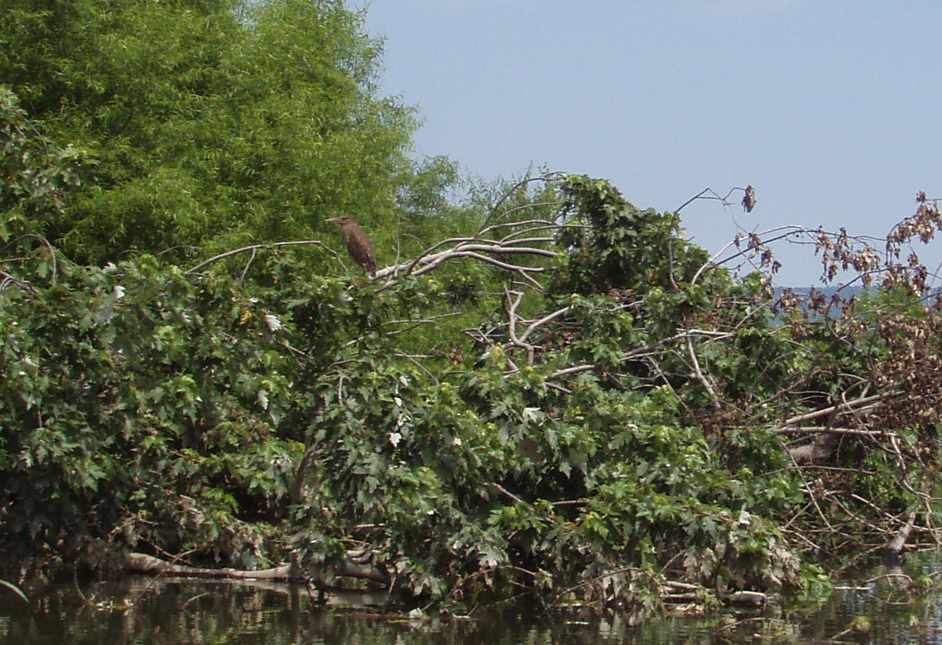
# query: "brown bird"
358, 244
749, 198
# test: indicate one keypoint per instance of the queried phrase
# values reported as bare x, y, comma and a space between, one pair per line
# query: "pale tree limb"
700, 376
715, 261
639, 352
9, 279
816, 430
478, 251
858, 405
544, 320
514, 299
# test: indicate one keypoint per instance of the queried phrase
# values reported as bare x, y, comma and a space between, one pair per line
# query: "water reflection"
159, 611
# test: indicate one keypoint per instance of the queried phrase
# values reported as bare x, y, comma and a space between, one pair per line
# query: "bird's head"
342, 220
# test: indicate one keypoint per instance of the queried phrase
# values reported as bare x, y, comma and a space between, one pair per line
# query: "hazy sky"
831, 109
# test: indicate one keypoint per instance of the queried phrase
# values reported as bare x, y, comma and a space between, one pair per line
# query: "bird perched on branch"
358, 244
749, 198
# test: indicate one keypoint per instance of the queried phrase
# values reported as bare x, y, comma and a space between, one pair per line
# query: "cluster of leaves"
120, 412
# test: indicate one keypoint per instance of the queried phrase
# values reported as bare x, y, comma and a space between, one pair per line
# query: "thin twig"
247, 265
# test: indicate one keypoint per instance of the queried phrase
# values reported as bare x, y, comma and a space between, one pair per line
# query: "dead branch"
700, 376
816, 430
542, 224
9, 279
774, 233
639, 352
575, 369
477, 251
421, 257
513, 189
709, 194
512, 304
809, 489
544, 320
859, 404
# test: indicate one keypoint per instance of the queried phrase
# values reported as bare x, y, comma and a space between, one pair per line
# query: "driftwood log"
684, 592
291, 572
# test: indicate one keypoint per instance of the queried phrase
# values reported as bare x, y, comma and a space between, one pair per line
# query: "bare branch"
814, 430
710, 194
575, 369
700, 376
866, 402
542, 321
11, 279
513, 189
255, 247
549, 224
512, 304
476, 248
247, 266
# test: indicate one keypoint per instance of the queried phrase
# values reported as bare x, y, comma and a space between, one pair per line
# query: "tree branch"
255, 247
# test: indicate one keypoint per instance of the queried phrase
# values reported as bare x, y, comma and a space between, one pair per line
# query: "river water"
164, 611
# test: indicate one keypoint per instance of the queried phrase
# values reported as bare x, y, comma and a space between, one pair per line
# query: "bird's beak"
332, 220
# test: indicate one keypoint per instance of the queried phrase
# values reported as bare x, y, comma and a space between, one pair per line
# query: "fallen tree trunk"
291, 572
894, 548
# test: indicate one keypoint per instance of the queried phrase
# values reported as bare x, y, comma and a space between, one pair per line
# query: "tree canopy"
208, 123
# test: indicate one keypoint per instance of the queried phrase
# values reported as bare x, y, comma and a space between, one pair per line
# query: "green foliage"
623, 247
135, 401
35, 173
242, 419
210, 121
264, 406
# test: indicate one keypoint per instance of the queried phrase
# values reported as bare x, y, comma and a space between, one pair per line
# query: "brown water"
145, 611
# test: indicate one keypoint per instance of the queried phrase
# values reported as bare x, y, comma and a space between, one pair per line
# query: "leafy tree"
243, 419
208, 120
36, 174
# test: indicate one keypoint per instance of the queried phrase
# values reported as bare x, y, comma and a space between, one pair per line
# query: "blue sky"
829, 108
